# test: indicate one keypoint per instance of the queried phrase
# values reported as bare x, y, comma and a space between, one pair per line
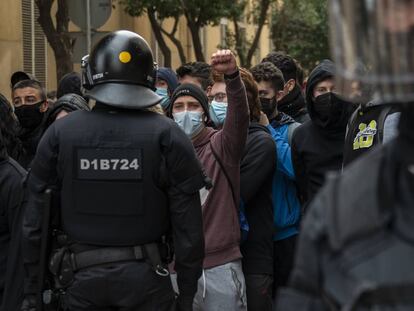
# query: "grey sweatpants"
220, 288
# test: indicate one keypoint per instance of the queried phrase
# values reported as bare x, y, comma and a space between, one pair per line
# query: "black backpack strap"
381, 121
225, 173
351, 125
291, 130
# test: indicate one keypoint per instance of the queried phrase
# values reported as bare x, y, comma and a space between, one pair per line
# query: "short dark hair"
199, 70
33, 84
270, 73
285, 63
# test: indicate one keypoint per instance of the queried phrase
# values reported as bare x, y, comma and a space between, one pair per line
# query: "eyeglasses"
219, 97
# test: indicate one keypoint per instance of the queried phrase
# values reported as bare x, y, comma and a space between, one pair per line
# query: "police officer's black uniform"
11, 265
126, 178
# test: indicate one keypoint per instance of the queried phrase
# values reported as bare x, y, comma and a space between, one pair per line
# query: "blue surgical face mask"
165, 102
218, 112
191, 122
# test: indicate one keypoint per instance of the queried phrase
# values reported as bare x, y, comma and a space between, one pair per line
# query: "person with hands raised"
222, 284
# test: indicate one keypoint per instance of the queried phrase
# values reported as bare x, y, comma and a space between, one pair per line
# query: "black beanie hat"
67, 102
192, 90
69, 84
169, 76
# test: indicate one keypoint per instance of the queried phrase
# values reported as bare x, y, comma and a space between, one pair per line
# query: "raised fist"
224, 61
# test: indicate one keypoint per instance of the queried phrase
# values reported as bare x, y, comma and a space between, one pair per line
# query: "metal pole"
156, 43
88, 26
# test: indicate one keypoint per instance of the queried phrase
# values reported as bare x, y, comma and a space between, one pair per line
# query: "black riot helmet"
120, 71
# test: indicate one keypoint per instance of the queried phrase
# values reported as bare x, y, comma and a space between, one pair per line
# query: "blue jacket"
286, 205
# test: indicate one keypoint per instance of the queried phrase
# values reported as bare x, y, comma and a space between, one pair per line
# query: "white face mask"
191, 122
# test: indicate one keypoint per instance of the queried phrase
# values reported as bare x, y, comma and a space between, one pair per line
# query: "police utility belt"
105, 255
66, 260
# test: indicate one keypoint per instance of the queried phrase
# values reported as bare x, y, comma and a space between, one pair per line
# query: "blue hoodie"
286, 204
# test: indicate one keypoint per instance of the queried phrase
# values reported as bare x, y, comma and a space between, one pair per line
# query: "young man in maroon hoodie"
222, 285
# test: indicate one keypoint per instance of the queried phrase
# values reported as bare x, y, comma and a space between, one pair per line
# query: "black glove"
29, 303
184, 303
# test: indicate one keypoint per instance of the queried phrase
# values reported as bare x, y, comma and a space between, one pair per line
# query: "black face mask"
268, 106
29, 116
323, 106
331, 111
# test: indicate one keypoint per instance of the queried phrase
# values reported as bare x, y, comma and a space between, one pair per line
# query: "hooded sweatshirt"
317, 145
220, 212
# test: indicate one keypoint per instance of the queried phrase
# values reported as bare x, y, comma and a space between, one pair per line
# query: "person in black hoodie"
256, 174
31, 105
292, 103
317, 145
11, 263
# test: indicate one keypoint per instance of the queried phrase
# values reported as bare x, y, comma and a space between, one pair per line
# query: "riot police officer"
126, 180
357, 244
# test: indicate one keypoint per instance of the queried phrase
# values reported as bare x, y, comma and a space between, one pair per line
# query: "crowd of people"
263, 141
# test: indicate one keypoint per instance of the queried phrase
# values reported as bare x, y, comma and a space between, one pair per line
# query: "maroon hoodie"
220, 216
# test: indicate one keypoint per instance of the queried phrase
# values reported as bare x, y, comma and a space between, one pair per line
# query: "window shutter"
34, 42
223, 33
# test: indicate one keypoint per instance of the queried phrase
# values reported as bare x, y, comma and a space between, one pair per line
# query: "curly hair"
285, 63
199, 70
270, 73
9, 141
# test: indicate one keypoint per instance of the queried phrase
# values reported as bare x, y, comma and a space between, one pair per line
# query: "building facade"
23, 46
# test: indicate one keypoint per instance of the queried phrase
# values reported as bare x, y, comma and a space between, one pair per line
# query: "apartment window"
34, 42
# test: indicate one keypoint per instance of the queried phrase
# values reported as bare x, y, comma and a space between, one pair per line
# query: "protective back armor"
112, 189
368, 264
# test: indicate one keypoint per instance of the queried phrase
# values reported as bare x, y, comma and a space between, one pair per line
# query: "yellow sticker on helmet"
125, 57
